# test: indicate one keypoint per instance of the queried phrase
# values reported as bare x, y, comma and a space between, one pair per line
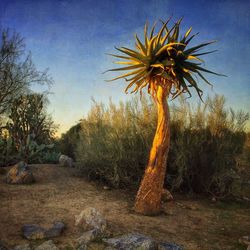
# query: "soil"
59, 194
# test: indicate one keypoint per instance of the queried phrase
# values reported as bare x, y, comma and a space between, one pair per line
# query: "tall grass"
114, 142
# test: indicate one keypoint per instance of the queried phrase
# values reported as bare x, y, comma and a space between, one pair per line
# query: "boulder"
36, 232
90, 218
88, 236
166, 195
55, 230
22, 247
47, 245
168, 246
33, 232
20, 174
65, 161
131, 242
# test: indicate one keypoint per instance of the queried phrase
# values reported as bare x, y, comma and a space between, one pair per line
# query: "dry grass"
59, 195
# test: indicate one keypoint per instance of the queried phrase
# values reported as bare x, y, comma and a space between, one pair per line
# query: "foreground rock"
168, 246
89, 219
132, 242
47, 245
166, 196
138, 242
36, 232
65, 161
20, 174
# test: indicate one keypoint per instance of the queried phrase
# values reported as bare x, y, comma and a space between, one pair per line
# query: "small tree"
30, 127
163, 64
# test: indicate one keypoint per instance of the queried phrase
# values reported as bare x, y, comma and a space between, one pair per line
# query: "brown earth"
59, 194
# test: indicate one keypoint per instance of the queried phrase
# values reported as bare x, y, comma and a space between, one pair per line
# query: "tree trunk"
148, 199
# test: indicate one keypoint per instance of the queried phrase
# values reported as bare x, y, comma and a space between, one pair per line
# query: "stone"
88, 236
65, 161
166, 195
33, 232
90, 218
47, 245
36, 232
55, 230
22, 247
20, 174
168, 246
131, 242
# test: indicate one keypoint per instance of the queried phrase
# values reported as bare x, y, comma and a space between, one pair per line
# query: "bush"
114, 143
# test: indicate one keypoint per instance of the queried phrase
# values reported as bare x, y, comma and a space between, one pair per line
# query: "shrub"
114, 143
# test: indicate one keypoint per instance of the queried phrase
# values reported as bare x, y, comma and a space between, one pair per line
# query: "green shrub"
114, 142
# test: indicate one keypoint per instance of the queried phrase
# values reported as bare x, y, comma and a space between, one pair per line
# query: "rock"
55, 230
33, 232
132, 242
166, 195
22, 247
88, 237
47, 245
20, 174
90, 218
36, 232
168, 246
65, 161
213, 199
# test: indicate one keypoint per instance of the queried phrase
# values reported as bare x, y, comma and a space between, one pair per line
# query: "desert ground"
59, 194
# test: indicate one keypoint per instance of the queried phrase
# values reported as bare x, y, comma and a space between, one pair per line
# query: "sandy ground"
59, 194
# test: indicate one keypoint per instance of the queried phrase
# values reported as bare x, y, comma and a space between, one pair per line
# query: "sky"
71, 37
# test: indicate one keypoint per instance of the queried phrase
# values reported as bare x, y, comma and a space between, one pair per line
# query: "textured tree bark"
148, 199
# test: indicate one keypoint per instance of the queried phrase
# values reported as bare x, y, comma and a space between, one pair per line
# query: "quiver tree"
165, 65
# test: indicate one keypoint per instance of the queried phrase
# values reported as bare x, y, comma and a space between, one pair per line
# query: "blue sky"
71, 37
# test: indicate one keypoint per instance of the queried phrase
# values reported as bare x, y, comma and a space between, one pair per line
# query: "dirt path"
59, 195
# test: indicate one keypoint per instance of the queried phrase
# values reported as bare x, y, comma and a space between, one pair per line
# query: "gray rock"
168, 246
55, 230
132, 242
47, 245
20, 174
33, 232
36, 232
22, 247
90, 218
88, 236
65, 161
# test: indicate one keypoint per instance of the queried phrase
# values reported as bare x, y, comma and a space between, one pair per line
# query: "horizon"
71, 39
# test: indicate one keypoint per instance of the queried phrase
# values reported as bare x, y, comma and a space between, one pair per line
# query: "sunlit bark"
148, 200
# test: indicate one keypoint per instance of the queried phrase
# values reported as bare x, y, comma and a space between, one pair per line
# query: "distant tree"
30, 121
69, 140
17, 71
